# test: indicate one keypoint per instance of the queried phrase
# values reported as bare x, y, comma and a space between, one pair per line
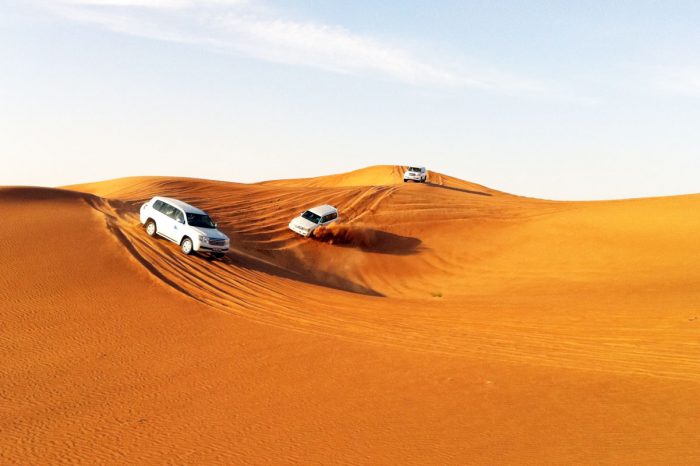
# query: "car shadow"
461, 190
368, 240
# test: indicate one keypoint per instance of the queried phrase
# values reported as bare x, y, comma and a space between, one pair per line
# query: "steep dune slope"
569, 281
549, 320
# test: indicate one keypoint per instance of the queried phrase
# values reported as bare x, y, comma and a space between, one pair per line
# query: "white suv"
183, 224
308, 221
417, 174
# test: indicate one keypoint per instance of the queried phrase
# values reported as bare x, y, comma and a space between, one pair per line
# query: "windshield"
414, 169
310, 216
199, 220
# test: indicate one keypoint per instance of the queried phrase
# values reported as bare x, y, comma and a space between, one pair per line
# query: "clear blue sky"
563, 100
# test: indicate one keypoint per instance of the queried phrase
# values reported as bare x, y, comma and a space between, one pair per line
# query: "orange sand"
444, 323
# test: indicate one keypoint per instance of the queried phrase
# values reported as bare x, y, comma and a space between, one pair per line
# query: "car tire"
151, 228
186, 246
405, 180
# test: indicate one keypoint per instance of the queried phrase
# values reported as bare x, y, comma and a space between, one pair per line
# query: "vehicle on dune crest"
309, 220
415, 174
185, 225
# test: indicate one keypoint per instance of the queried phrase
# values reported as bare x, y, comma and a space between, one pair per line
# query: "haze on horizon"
549, 99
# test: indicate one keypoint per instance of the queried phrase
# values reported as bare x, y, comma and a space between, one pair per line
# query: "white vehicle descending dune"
183, 224
309, 220
415, 174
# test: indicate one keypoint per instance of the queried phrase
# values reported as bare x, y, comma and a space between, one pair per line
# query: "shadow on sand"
295, 269
368, 239
461, 190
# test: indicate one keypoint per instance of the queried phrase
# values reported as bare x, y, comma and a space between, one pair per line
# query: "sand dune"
441, 323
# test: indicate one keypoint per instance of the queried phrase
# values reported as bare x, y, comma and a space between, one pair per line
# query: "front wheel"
151, 228
186, 246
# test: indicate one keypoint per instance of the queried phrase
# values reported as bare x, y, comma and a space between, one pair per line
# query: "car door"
178, 225
166, 222
162, 220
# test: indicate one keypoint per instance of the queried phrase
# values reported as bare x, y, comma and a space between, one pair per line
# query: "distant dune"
438, 323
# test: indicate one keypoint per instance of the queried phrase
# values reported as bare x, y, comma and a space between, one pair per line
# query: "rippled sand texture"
438, 323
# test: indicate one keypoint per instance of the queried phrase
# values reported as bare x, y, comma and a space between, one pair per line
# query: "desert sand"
445, 323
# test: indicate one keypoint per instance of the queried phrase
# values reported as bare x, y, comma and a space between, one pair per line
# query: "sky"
550, 99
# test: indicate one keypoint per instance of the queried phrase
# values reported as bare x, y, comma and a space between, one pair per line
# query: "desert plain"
437, 323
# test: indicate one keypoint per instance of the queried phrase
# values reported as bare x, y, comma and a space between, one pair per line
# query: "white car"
417, 174
308, 221
183, 224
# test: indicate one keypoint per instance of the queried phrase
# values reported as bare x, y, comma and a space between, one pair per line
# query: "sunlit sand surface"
438, 323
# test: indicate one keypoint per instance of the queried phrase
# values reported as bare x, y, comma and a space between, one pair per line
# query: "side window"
158, 205
179, 216
168, 210
330, 217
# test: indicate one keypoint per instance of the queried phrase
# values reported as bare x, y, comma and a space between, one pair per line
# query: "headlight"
203, 239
